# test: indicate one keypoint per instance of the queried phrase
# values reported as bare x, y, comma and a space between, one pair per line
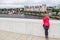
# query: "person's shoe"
46, 37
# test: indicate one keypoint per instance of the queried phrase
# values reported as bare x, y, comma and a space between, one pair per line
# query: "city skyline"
21, 3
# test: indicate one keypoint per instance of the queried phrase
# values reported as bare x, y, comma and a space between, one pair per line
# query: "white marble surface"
29, 26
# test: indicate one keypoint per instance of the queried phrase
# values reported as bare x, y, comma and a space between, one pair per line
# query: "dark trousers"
46, 31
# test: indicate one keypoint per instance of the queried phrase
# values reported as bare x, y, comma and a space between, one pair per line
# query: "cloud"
11, 1
21, 3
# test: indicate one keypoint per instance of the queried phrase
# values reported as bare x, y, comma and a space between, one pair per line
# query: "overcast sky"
21, 3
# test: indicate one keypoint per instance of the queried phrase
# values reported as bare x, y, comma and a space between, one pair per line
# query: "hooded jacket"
46, 21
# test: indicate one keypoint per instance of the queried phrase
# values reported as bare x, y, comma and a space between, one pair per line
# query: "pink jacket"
46, 21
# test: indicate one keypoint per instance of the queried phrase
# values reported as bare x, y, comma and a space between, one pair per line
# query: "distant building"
10, 10
42, 8
49, 9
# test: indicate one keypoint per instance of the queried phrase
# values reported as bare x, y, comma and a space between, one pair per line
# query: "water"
18, 16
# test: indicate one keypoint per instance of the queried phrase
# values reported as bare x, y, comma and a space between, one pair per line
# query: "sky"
21, 3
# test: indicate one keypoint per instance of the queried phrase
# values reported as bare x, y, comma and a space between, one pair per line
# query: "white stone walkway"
4, 35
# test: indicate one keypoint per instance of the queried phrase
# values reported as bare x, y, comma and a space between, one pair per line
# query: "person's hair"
46, 13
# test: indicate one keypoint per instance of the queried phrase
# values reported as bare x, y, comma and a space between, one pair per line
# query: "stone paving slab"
5, 35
